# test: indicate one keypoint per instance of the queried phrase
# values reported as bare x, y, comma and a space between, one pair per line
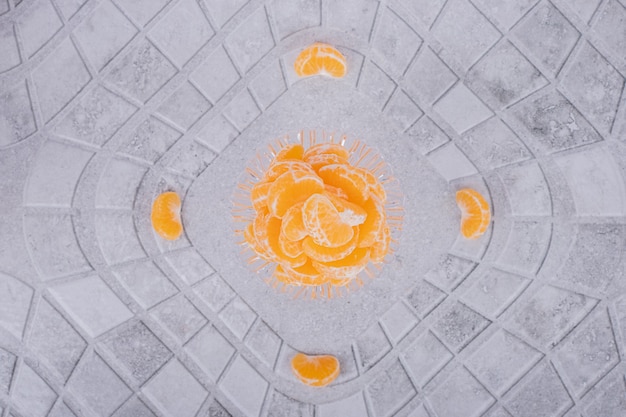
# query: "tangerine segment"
293, 249
279, 168
282, 276
345, 268
318, 161
259, 231
350, 213
290, 152
316, 371
248, 234
292, 188
324, 254
273, 241
165, 216
293, 225
374, 186
337, 192
323, 222
307, 275
370, 229
322, 59
326, 149
475, 213
258, 195
380, 248
348, 179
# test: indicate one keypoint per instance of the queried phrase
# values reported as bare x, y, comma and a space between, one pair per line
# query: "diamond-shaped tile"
68, 70
38, 25
133, 407
608, 398
282, 405
216, 75
117, 237
215, 292
465, 32
146, 282
264, 343
295, 15
217, 410
355, 17
449, 272
218, 133
372, 345
376, 84
460, 396
142, 72
97, 116
268, 85
185, 106
456, 325
395, 42
402, 110
180, 317
588, 353
8, 49
426, 10
426, 136
211, 350
505, 12
32, 394
451, 162
501, 361
189, 265
54, 340
17, 121
15, 298
62, 410
352, 406
241, 377
428, 77
611, 26
526, 189
238, 316
504, 76
526, 247
118, 184
182, 32
425, 297
7, 365
141, 352
461, 108
494, 291
103, 34
142, 11
594, 85
98, 385
242, 110
541, 393
53, 244
398, 321
249, 42
546, 316
175, 391
390, 390
150, 140
92, 304
547, 35
221, 11
551, 123
425, 357
69, 7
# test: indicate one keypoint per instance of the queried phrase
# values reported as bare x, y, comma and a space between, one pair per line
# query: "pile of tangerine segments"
319, 214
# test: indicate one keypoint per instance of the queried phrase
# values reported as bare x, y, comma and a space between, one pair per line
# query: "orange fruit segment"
380, 248
280, 167
259, 193
306, 274
373, 224
293, 225
326, 149
350, 213
292, 188
373, 185
290, 152
320, 58
475, 213
319, 161
337, 192
291, 248
316, 371
165, 216
325, 254
348, 179
323, 222
345, 268
273, 241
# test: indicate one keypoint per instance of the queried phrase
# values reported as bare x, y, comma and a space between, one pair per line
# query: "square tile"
594, 85
217, 410
352, 406
425, 10
547, 35
282, 405
425, 358
505, 12
390, 390
215, 75
268, 85
54, 340
38, 25
32, 394
425, 297
117, 237
150, 140
395, 42
494, 291
242, 110
402, 110
185, 106
264, 343
460, 396
221, 11
428, 77
103, 34
180, 317
503, 76
142, 11
97, 385
451, 162
372, 345
118, 184
68, 70
241, 377
142, 72
464, 32
527, 189
607, 398
398, 321
611, 26
15, 298
450, 272
17, 121
189, 265
376, 84
355, 17
62, 410
92, 304
456, 325
214, 292
146, 282
182, 32
238, 316
218, 133
541, 393
584, 8
133, 408
141, 352
69, 7
251, 41
211, 350
175, 391
526, 247
461, 108
501, 361
426, 136
295, 15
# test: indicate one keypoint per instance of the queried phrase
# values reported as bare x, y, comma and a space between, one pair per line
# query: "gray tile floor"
106, 103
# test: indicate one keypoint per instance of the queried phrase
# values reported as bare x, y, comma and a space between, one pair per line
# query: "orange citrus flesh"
475, 213
166, 216
321, 59
317, 218
315, 370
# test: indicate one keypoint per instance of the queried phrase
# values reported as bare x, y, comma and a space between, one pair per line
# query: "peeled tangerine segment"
307, 274
373, 224
248, 234
165, 216
326, 149
316, 371
292, 188
259, 231
350, 213
475, 213
381, 246
291, 151
324, 254
346, 268
279, 168
293, 224
373, 184
323, 222
348, 179
273, 237
317, 162
320, 58
291, 248
259, 194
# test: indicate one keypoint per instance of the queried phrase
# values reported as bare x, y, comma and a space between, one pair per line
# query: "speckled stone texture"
104, 104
